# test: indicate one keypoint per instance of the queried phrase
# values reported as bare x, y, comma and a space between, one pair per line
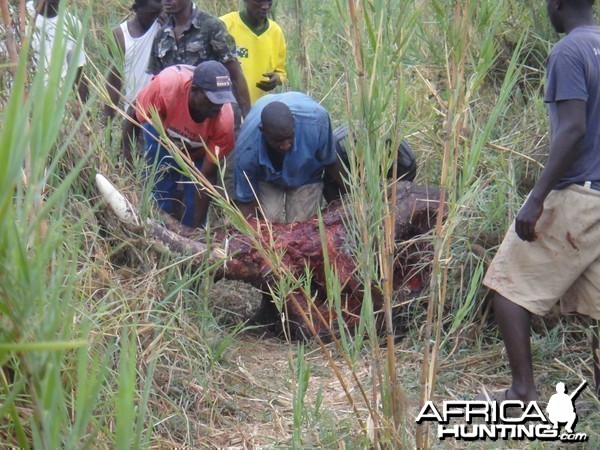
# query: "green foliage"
301, 378
57, 383
39, 269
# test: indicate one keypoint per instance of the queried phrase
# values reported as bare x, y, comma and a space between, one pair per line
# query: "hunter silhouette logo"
561, 407
510, 419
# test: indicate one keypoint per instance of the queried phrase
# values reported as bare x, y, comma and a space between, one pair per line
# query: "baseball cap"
213, 78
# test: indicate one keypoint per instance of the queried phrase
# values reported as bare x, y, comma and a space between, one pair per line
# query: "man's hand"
162, 18
527, 219
268, 85
248, 210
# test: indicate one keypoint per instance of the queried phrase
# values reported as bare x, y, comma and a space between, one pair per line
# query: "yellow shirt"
257, 54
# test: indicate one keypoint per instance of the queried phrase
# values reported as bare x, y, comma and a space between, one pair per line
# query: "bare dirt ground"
262, 386
255, 407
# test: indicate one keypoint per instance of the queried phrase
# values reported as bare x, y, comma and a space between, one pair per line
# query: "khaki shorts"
563, 263
289, 205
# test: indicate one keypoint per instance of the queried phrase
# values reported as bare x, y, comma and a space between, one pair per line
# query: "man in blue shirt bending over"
284, 147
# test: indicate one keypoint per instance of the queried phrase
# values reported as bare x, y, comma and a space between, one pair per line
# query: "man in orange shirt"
203, 131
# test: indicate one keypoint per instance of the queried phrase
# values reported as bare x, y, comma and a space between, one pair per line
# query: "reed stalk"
376, 72
455, 75
302, 54
468, 63
10, 35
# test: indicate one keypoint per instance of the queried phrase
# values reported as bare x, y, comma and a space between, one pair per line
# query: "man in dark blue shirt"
551, 251
284, 147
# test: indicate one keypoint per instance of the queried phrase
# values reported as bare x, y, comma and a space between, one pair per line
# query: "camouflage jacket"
206, 38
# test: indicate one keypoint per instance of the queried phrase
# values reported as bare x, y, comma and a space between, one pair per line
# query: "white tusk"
122, 208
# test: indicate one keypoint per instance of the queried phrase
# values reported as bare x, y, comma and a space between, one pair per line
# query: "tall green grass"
58, 386
378, 35
39, 265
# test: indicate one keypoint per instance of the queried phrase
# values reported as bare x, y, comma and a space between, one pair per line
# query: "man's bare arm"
564, 147
240, 86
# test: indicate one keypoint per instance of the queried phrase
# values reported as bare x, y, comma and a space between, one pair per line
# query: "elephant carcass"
299, 251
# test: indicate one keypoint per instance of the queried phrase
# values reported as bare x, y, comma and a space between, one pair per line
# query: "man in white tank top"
48, 27
133, 39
